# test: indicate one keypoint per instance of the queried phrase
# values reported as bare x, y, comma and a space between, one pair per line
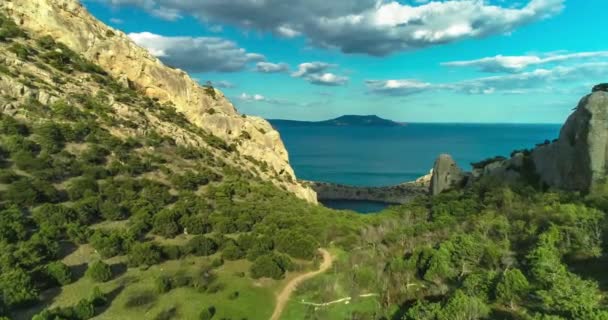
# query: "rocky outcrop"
578, 159
400, 194
446, 174
68, 22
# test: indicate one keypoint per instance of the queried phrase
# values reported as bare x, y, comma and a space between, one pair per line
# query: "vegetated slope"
68, 22
500, 243
87, 162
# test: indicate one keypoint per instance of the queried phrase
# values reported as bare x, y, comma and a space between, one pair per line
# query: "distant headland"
343, 121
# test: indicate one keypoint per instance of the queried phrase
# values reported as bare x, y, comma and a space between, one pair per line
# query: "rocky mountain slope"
68, 22
576, 161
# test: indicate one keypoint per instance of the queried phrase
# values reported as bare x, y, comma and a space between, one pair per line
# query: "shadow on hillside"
118, 269
110, 296
78, 271
592, 269
47, 297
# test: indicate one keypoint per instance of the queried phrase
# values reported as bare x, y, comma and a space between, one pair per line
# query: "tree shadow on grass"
78, 271
118, 269
110, 296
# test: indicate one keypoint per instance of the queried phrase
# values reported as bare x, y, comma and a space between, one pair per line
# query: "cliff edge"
576, 161
69, 22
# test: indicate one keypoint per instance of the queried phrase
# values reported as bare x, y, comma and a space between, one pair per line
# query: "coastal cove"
381, 156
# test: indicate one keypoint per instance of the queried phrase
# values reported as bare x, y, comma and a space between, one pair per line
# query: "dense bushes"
99, 271
271, 266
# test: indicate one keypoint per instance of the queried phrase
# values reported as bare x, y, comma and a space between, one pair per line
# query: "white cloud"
327, 79
223, 84
315, 73
200, 54
268, 67
502, 63
375, 27
539, 80
397, 87
248, 98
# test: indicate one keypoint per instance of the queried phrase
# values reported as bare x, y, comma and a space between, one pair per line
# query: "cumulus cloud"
268, 67
402, 87
245, 97
375, 27
539, 80
502, 63
223, 84
315, 73
202, 54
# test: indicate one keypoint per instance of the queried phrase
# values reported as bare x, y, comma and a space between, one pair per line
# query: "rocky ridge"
576, 161
68, 22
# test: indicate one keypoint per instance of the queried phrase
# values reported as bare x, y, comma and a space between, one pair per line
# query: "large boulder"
446, 174
578, 159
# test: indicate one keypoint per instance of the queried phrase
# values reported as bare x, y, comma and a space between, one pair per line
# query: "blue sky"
523, 61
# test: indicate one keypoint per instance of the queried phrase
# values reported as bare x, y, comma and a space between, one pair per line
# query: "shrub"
112, 211
107, 243
59, 273
81, 187
13, 225
266, 266
10, 126
171, 252
165, 223
144, 254
50, 137
99, 271
207, 313
232, 252
163, 284
8, 29
202, 246
18, 288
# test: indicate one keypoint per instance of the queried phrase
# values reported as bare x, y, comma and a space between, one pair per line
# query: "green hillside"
114, 206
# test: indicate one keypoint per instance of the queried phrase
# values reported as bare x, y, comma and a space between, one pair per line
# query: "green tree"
463, 307
17, 288
165, 223
202, 246
145, 253
512, 287
13, 225
81, 187
99, 271
59, 272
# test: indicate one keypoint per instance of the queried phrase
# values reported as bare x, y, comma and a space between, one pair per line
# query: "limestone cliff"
578, 159
68, 22
446, 174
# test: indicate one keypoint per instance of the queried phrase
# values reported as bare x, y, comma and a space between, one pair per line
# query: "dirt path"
291, 286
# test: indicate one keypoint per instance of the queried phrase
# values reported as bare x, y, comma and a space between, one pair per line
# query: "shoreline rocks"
397, 194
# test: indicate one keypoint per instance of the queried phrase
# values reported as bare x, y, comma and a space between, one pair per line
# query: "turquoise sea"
382, 156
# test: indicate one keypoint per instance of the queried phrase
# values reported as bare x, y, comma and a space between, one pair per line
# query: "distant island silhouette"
346, 120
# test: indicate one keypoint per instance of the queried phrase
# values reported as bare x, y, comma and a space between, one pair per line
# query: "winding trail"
291, 286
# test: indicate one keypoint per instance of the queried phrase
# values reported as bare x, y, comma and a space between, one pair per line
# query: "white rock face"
578, 159
446, 174
68, 22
